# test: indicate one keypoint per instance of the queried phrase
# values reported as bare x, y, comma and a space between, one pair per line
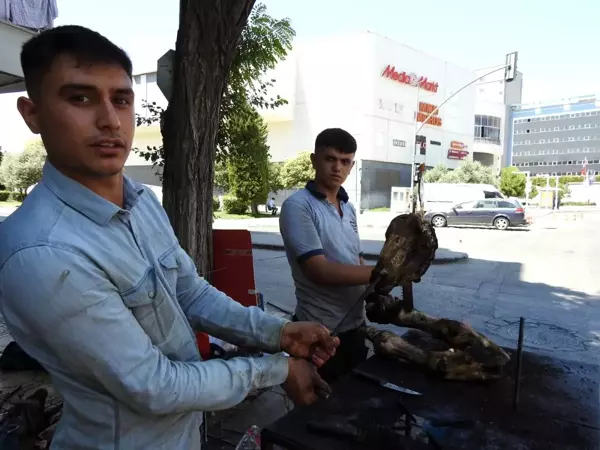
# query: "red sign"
457, 145
424, 110
412, 79
457, 154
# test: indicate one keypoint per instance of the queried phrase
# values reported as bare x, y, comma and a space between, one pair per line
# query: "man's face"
85, 116
332, 167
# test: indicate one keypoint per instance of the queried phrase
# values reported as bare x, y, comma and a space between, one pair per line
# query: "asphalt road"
550, 275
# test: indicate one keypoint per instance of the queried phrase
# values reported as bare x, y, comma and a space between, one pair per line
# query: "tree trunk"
206, 43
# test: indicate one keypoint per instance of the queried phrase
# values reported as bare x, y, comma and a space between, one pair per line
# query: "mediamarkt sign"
412, 79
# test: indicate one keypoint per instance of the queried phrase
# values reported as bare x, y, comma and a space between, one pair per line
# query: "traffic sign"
164, 73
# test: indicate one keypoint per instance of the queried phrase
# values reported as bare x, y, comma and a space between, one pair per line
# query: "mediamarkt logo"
411, 79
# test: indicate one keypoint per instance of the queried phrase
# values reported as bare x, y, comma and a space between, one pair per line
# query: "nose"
337, 166
107, 117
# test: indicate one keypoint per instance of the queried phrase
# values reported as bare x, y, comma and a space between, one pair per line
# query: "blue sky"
558, 42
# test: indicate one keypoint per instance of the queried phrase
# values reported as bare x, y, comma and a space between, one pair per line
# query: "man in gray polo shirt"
320, 234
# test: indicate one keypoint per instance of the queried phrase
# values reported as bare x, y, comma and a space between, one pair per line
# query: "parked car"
499, 213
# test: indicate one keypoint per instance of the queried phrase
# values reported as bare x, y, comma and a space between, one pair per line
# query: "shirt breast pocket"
169, 267
144, 302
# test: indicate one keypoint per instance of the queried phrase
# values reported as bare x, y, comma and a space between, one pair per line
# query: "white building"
372, 87
493, 97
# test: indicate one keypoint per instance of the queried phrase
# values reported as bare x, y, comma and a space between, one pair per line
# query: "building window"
487, 129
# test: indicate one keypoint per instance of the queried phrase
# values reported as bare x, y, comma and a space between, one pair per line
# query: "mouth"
109, 146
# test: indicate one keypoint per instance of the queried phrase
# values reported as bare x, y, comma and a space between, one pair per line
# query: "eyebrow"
89, 87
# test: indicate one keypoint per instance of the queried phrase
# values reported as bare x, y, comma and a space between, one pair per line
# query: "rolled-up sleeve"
211, 311
64, 311
298, 230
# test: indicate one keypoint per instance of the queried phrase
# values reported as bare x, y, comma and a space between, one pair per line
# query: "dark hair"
336, 138
86, 46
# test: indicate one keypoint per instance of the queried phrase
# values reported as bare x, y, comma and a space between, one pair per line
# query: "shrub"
216, 204
4, 195
233, 205
16, 196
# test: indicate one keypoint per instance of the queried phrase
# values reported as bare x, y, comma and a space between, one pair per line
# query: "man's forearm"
211, 311
321, 271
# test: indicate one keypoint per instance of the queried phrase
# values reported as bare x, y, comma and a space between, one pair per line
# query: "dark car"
499, 213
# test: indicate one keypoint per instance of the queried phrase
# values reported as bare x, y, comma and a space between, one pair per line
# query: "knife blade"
386, 384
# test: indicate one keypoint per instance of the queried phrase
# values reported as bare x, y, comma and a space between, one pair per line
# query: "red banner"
457, 154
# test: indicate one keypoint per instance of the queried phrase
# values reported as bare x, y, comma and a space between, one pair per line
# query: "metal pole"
556, 191
414, 155
517, 391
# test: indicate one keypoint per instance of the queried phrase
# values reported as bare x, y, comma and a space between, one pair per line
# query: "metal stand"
517, 392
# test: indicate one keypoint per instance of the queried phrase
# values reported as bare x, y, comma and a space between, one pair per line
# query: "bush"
233, 205
16, 196
216, 204
8, 196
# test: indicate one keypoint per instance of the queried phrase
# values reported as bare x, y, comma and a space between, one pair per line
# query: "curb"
456, 257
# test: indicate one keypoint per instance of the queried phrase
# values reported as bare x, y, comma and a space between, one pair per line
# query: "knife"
385, 384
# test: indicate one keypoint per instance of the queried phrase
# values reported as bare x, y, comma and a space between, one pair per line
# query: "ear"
28, 111
353, 162
312, 160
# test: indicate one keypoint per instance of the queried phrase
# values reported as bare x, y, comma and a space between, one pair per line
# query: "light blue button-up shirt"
107, 301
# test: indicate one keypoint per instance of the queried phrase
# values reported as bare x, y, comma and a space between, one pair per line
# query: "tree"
19, 171
512, 182
297, 171
263, 42
435, 175
474, 172
248, 162
219, 64
275, 180
221, 181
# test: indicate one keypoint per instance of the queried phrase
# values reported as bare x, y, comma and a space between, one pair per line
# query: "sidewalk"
371, 248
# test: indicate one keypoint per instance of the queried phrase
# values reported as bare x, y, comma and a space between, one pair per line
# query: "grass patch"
382, 209
224, 215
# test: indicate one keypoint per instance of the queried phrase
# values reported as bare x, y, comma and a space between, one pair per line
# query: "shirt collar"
312, 188
84, 200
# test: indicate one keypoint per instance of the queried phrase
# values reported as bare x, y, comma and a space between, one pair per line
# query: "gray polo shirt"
310, 225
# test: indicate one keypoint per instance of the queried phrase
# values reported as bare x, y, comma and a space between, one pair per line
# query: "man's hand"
308, 340
303, 384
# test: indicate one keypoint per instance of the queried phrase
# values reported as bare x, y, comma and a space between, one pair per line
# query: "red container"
203, 344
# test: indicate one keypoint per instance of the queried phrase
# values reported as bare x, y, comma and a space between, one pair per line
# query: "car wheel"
438, 221
501, 223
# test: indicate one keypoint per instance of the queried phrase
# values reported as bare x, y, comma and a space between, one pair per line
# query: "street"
550, 275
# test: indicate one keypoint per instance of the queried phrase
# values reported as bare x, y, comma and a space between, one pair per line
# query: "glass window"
505, 204
487, 129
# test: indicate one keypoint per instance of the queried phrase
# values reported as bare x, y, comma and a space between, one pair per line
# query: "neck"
329, 192
109, 188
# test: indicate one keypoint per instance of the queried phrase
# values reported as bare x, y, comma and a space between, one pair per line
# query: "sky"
558, 42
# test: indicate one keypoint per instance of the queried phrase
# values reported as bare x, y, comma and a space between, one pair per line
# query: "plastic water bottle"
250, 440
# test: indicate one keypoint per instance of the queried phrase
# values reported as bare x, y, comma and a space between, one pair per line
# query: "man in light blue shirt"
94, 285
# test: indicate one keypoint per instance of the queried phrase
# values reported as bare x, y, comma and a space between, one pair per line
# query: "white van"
441, 196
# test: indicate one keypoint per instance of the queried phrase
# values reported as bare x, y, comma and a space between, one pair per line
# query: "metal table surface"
559, 407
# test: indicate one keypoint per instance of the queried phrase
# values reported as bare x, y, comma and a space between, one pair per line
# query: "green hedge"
216, 204
7, 196
232, 205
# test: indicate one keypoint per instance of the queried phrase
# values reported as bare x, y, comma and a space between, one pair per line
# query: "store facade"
373, 87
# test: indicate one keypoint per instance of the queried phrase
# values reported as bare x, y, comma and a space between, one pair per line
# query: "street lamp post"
510, 72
